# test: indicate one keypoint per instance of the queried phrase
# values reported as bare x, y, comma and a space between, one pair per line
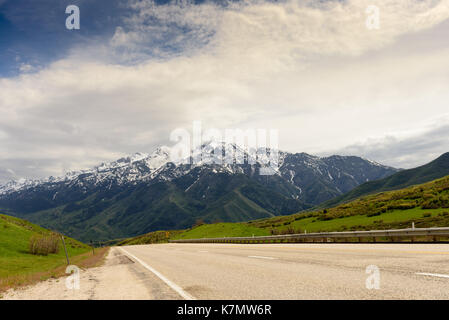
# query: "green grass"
222, 230
14, 257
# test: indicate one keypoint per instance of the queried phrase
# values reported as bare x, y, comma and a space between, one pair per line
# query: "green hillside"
427, 205
17, 265
434, 170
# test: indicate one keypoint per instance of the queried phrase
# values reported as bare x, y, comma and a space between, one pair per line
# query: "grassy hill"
431, 171
19, 267
427, 205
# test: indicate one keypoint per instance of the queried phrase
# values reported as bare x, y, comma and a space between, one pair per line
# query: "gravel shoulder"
119, 278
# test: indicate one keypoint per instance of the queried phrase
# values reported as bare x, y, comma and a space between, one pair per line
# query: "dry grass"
44, 244
83, 261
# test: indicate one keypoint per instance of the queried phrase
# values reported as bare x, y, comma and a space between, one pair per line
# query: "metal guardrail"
310, 237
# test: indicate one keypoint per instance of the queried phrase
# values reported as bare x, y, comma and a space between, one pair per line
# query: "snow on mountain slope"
313, 179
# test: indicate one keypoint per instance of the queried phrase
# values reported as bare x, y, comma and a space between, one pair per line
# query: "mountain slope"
431, 171
321, 179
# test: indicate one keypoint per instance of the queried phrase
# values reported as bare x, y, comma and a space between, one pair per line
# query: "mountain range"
147, 192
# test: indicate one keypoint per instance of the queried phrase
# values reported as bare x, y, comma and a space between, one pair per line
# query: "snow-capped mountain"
146, 192
138, 167
143, 167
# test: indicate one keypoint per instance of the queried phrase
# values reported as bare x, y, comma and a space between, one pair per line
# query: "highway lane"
299, 271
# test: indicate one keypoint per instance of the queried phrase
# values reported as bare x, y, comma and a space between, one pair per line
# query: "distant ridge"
436, 169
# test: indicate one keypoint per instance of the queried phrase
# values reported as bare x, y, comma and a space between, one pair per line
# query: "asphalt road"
297, 271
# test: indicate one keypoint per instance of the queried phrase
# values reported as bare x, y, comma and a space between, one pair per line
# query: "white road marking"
203, 251
172, 285
433, 274
260, 257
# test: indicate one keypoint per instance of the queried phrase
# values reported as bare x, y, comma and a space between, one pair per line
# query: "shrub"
426, 215
324, 218
373, 214
289, 230
44, 244
401, 206
433, 204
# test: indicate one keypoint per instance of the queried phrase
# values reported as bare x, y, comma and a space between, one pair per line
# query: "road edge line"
263, 257
437, 275
171, 284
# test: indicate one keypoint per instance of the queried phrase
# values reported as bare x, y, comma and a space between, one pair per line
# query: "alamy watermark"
73, 21
373, 280
228, 146
373, 18
72, 282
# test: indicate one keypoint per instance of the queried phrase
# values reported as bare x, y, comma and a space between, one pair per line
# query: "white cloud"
311, 69
407, 151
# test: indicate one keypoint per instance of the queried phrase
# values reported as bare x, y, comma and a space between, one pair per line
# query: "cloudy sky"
138, 69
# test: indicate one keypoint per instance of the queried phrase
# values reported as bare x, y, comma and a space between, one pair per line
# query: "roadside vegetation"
218, 230
426, 205
29, 253
149, 238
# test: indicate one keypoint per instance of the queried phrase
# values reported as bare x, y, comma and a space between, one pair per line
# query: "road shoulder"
120, 278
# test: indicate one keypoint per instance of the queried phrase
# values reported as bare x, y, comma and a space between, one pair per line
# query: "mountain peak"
443, 158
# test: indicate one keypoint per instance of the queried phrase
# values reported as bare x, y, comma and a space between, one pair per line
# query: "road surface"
259, 271
299, 271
